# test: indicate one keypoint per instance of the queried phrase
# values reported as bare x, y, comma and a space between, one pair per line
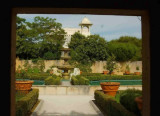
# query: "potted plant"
105, 72
22, 85
137, 72
110, 88
127, 72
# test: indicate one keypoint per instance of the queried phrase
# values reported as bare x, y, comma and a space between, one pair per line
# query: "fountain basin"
66, 67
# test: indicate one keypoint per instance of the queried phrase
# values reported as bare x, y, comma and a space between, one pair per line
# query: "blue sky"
107, 26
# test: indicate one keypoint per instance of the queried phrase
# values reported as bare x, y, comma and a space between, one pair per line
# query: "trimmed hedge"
34, 76
52, 80
74, 81
114, 77
79, 80
127, 98
26, 103
110, 106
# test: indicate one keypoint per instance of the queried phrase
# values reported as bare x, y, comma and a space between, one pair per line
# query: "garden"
35, 44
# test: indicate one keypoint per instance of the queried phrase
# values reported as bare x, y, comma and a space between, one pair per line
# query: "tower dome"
85, 21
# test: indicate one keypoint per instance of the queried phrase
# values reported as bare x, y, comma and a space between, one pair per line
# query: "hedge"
109, 106
74, 81
34, 76
114, 77
127, 99
79, 80
52, 80
26, 103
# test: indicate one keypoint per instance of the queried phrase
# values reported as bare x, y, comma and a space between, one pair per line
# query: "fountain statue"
66, 67
76, 71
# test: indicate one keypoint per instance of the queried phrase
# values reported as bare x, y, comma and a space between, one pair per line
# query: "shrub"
109, 106
21, 74
26, 103
49, 81
57, 81
127, 98
53, 80
79, 80
37, 76
48, 56
74, 81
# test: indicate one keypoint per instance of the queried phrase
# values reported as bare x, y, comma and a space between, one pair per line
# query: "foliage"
122, 51
109, 105
137, 67
123, 46
53, 80
79, 80
21, 73
25, 104
85, 68
37, 76
127, 99
48, 56
127, 67
35, 39
111, 65
98, 77
87, 50
38, 66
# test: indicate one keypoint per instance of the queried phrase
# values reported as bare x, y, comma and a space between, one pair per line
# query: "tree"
86, 50
126, 48
41, 36
111, 64
122, 51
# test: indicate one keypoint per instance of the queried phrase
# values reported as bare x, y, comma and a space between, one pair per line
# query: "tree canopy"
35, 39
43, 38
126, 48
88, 49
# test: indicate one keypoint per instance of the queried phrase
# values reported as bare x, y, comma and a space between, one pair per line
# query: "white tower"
85, 23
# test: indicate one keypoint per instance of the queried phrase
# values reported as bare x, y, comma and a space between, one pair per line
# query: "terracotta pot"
112, 73
105, 72
110, 88
127, 72
138, 100
137, 73
80, 72
24, 86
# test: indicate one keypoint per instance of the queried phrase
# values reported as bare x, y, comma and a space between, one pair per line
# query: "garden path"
66, 105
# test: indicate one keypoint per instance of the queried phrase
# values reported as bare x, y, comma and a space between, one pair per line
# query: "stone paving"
66, 105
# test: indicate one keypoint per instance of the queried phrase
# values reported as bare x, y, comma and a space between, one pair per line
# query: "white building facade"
84, 31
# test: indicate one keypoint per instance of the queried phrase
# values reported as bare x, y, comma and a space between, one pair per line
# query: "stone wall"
97, 67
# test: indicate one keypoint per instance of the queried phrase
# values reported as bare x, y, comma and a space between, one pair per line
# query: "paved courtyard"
66, 105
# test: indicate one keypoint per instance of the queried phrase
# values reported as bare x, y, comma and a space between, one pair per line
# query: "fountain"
65, 56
